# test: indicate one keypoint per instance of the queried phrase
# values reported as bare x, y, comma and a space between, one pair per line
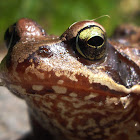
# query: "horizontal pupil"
95, 41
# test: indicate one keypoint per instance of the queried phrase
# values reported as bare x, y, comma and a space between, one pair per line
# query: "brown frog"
79, 86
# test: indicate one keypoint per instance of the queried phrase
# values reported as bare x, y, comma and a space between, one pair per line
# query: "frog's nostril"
45, 51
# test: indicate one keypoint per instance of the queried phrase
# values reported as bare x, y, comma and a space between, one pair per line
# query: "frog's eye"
91, 42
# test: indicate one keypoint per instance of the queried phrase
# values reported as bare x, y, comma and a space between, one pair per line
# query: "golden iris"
91, 42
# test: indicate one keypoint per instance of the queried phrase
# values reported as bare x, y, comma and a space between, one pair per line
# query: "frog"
80, 85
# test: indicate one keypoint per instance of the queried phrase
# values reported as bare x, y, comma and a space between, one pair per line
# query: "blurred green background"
55, 16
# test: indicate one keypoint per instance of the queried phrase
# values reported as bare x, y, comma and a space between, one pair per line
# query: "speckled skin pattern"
70, 97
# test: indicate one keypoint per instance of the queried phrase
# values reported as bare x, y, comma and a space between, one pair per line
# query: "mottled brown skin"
71, 97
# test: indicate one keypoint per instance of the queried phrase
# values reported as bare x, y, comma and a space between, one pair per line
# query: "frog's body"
72, 93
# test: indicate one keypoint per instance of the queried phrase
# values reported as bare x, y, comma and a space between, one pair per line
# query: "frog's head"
80, 57
71, 74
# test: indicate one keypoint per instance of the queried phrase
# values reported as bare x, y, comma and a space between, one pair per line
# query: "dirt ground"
13, 113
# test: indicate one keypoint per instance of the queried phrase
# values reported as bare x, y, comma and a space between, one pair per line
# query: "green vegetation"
57, 15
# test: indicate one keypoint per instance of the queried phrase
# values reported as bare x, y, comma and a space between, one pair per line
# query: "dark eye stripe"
89, 26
